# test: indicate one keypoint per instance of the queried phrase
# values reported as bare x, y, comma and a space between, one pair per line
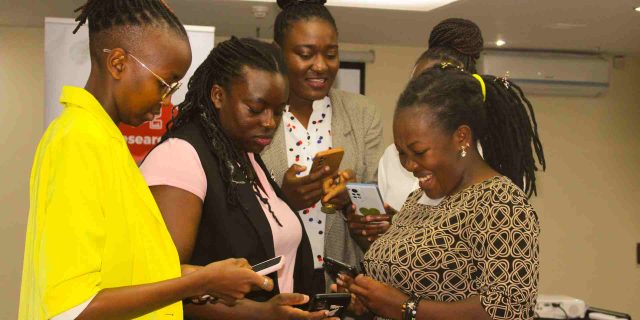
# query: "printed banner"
67, 62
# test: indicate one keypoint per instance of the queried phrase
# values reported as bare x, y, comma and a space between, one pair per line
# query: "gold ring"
328, 208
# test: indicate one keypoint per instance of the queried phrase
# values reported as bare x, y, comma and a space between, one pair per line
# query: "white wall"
587, 201
21, 125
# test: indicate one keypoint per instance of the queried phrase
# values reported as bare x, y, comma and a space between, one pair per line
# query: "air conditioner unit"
549, 73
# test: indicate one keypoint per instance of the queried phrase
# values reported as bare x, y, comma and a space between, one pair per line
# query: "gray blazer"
356, 126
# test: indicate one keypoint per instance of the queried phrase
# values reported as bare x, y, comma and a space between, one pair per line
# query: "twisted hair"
225, 63
296, 10
455, 40
106, 14
505, 124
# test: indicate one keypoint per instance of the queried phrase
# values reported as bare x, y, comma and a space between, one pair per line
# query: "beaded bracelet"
410, 307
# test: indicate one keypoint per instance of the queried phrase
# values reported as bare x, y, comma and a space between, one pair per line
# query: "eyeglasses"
169, 88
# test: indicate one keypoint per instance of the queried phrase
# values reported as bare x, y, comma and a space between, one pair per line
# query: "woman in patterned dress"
475, 254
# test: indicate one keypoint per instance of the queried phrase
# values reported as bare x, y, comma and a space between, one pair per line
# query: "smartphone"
335, 303
366, 197
330, 158
334, 267
263, 268
268, 266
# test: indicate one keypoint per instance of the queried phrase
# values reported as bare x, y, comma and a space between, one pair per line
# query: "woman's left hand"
369, 226
355, 306
340, 200
383, 300
335, 189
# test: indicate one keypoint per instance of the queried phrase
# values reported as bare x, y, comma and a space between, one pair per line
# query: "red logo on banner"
143, 138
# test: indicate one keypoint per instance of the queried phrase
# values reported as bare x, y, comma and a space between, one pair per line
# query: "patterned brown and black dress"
481, 241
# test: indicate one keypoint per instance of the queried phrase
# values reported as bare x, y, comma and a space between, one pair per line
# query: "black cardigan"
230, 232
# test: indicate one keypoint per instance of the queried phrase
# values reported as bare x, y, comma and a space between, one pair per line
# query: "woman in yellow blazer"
96, 244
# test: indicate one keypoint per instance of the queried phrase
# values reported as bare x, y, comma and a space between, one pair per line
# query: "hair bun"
285, 4
459, 34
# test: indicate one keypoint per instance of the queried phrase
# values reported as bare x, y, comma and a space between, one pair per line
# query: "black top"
230, 232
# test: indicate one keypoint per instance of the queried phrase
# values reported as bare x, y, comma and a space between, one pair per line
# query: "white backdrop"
348, 80
67, 62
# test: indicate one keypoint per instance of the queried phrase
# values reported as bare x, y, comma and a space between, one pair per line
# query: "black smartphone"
335, 303
334, 267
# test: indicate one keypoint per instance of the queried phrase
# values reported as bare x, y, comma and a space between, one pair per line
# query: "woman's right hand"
282, 307
355, 306
303, 192
231, 279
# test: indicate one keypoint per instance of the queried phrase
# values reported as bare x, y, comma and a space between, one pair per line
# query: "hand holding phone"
263, 268
370, 218
329, 158
335, 303
303, 192
334, 267
230, 279
367, 198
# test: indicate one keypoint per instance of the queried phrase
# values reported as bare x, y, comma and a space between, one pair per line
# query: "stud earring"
463, 150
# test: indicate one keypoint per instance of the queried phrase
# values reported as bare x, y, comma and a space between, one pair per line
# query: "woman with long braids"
215, 194
456, 41
318, 118
96, 245
474, 255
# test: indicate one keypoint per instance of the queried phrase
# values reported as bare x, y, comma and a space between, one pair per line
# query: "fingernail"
364, 233
326, 313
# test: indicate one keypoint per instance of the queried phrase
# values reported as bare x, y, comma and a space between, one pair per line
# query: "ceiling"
609, 26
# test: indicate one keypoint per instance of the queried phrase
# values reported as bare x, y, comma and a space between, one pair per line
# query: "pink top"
176, 163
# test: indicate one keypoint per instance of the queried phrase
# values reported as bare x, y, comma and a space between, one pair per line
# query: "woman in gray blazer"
319, 118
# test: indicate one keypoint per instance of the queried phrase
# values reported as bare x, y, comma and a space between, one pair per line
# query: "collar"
80, 98
320, 105
316, 105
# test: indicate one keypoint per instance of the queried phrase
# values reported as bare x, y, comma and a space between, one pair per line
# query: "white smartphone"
268, 266
366, 197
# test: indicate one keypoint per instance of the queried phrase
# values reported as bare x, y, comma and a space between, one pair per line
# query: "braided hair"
504, 124
296, 10
121, 22
225, 63
457, 41
106, 14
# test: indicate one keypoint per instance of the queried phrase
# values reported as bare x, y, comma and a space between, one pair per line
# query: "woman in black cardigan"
213, 190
